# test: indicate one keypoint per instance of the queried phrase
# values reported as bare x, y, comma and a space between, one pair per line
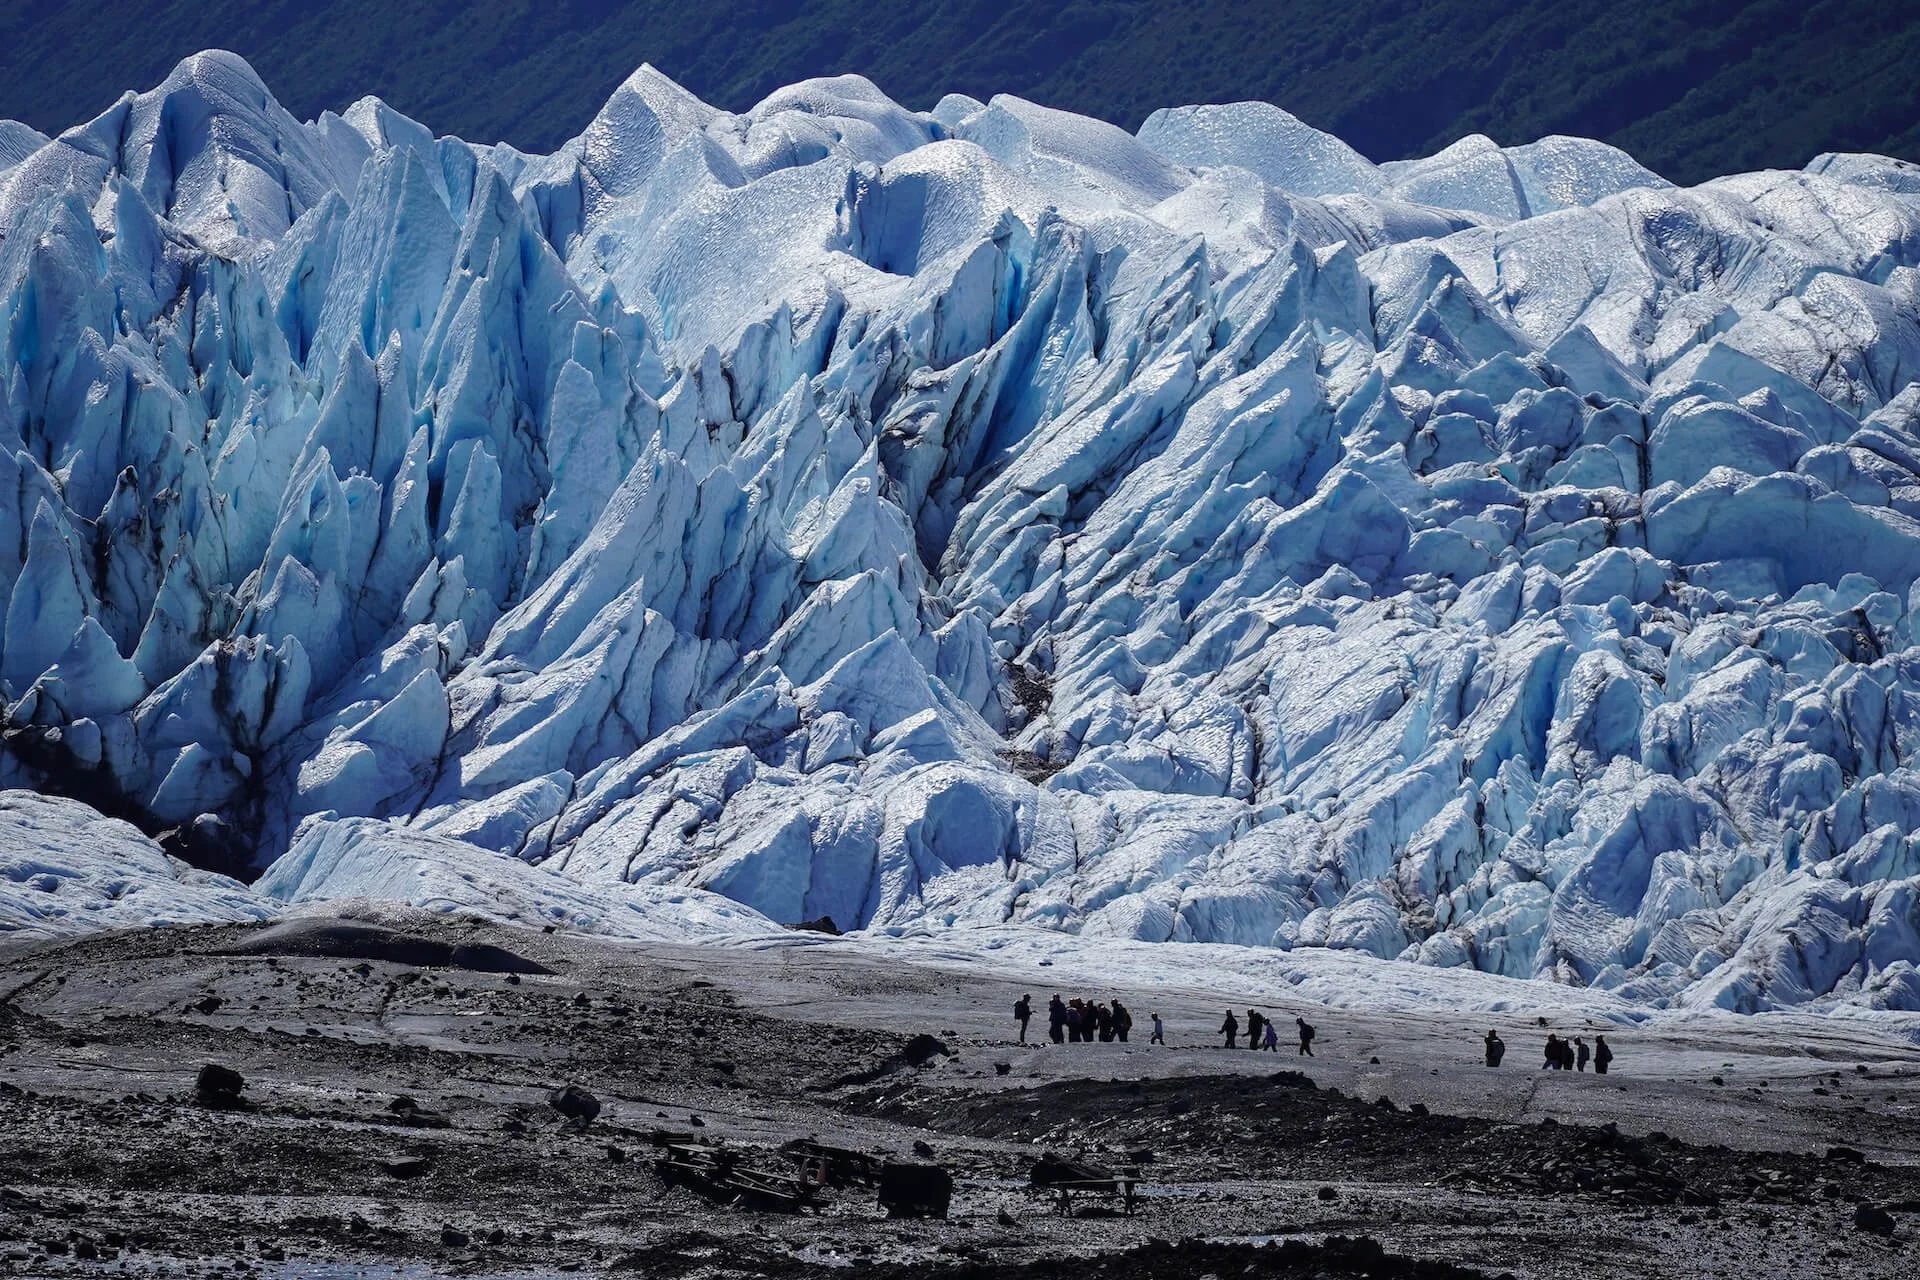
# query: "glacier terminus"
974, 518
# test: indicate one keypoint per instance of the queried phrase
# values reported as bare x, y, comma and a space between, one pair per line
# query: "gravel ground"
1731, 1149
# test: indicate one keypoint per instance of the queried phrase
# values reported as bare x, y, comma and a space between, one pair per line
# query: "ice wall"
1502, 559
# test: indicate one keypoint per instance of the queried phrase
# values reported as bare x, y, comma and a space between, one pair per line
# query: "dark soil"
395, 1115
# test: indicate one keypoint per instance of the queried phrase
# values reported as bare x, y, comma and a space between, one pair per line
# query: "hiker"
1103, 1018
1553, 1054
1122, 1021
1496, 1048
1075, 1021
1230, 1029
1306, 1037
1159, 1032
1022, 1013
1270, 1040
1255, 1021
1056, 1019
1601, 1055
1580, 1049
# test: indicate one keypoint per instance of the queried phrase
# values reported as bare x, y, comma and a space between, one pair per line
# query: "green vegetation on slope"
1693, 88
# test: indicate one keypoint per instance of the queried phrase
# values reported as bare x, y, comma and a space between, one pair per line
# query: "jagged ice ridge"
975, 517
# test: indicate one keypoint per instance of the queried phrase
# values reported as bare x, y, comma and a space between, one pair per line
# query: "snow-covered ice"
979, 519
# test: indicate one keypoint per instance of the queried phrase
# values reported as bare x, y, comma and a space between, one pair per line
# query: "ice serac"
981, 517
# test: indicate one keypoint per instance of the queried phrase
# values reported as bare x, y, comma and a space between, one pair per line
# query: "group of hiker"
1261, 1033
1078, 1021
1572, 1055
1562, 1054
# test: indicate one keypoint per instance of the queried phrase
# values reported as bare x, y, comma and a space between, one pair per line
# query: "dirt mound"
341, 940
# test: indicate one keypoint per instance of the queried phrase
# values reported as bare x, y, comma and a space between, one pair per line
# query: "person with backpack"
1122, 1021
1306, 1037
1159, 1036
1496, 1048
1022, 1013
1270, 1039
1255, 1021
1580, 1054
1056, 1019
1231, 1030
1602, 1055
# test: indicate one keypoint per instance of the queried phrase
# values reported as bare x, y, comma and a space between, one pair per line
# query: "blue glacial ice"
974, 518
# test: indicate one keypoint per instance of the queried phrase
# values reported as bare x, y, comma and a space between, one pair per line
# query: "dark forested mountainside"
1693, 88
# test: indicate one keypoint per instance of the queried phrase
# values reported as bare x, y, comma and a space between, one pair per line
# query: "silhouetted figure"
1022, 1014
1103, 1021
1270, 1039
1580, 1054
1496, 1048
1076, 1021
1306, 1037
1231, 1029
1122, 1022
1553, 1053
1602, 1055
1056, 1019
1256, 1022
1159, 1032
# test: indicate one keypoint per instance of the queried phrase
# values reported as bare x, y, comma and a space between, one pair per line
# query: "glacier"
981, 518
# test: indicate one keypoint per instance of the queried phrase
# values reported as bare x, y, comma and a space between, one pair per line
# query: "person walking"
1255, 1022
1159, 1036
1022, 1014
1602, 1056
1580, 1054
1231, 1030
1306, 1037
1270, 1039
1122, 1021
1496, 1048
1056, 1019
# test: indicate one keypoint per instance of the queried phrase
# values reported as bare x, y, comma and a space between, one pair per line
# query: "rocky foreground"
391, 1105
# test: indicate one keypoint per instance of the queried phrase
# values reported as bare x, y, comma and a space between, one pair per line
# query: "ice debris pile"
982, 517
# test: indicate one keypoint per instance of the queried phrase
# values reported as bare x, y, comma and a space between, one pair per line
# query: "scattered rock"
915, 1190
453, 1238
1327, 1193
219, 1087
921, 1050
575, 1104
415, 1116
406, 1167
1847, 1154
1873, 1219
207, 1004
922, 1149
1002, 1068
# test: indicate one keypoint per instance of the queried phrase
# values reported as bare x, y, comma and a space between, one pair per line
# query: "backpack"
1306, 1031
